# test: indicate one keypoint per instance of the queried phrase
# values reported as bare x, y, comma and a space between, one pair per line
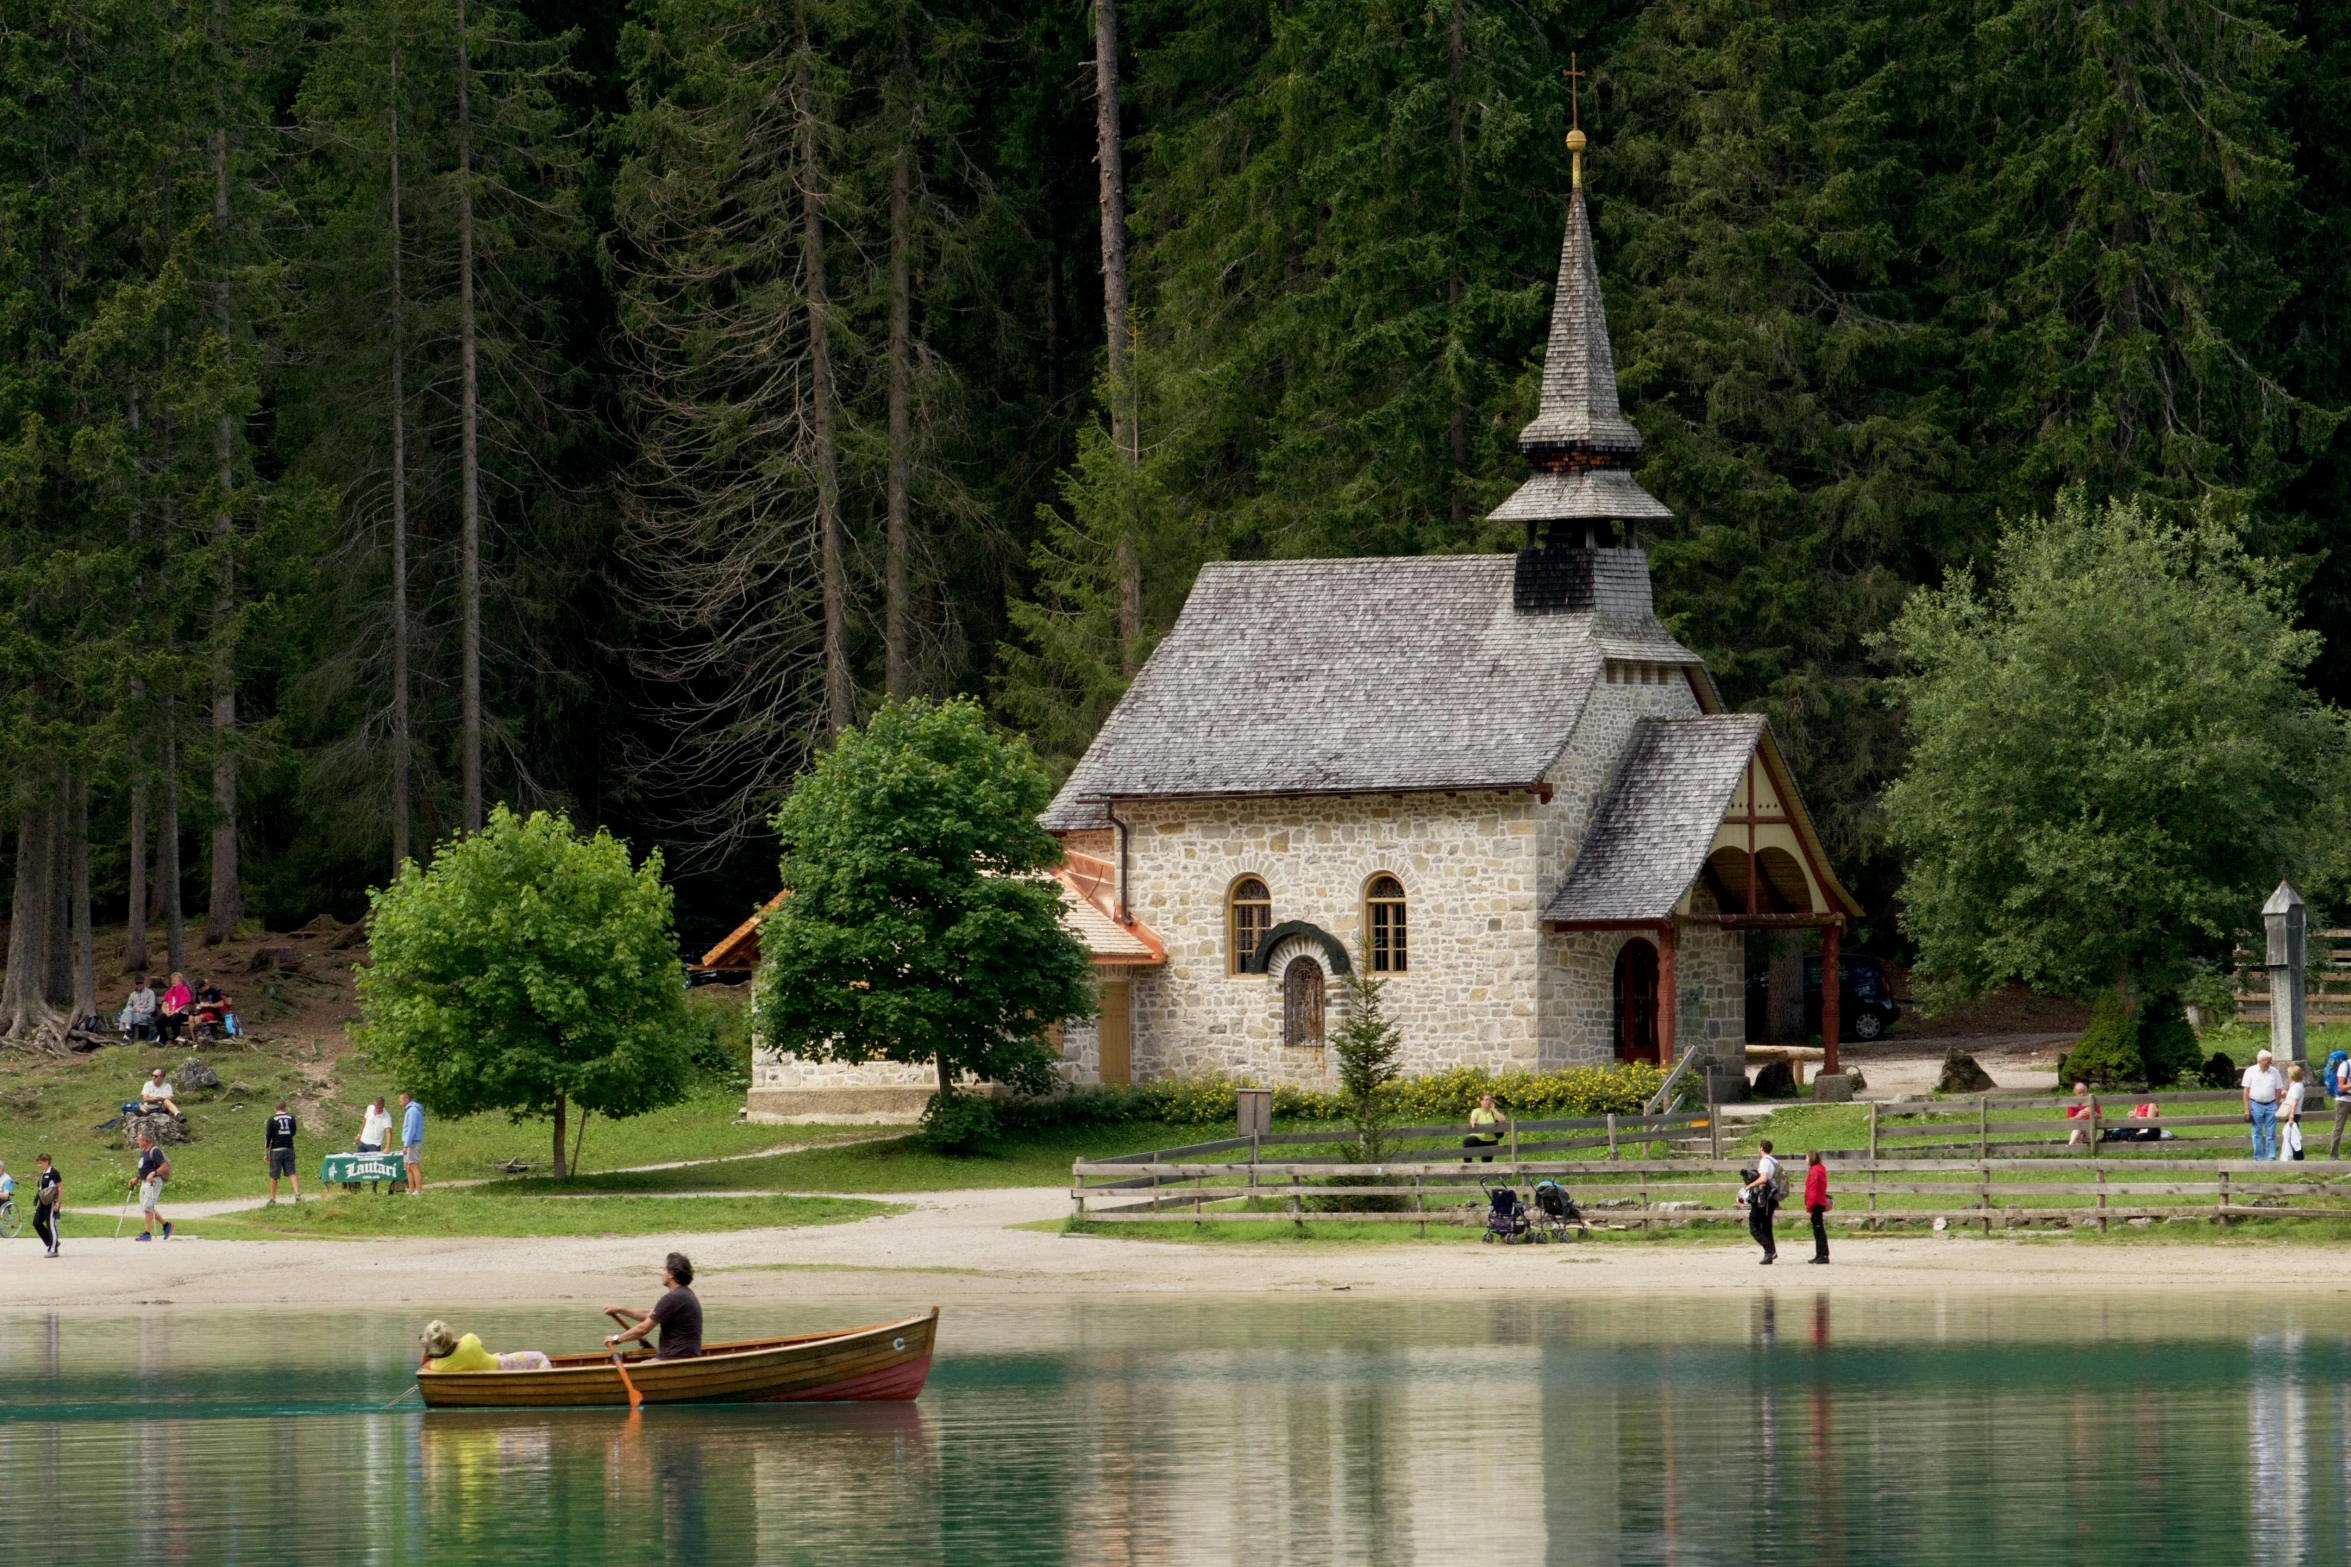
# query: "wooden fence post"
2090, 1147
1077, 1196
1514, 1147
2221, 1214
1612, 1134
1420, 1197
1873, 1192
1873, 1146
2101, 1196
1713, 1122
1984, 1202
1983, 1134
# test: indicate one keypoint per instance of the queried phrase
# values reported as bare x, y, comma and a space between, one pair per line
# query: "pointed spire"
1582, 445
1579, 413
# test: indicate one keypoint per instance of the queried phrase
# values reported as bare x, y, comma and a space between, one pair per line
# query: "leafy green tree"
528, 970
1370, 1048
916, 926
2112, 754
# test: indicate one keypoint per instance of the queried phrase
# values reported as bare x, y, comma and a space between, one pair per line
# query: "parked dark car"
1867, 1007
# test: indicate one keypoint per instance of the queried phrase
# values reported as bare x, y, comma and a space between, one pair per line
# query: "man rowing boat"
678, 1314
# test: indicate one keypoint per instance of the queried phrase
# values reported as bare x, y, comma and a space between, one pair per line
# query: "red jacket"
1816, 1186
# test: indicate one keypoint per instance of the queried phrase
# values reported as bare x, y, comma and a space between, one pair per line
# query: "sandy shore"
958, 1246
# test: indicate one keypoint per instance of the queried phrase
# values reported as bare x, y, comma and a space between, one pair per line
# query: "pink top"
177, 998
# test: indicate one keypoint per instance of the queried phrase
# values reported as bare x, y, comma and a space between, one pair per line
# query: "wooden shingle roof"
1651, 835
1361, 677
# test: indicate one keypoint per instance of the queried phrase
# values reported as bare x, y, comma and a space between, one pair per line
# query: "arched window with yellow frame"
1248, 916
1384, 921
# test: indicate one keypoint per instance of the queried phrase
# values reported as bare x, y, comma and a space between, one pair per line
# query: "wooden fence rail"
1638, 1190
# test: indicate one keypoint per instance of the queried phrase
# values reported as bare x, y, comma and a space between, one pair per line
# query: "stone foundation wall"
786, 1088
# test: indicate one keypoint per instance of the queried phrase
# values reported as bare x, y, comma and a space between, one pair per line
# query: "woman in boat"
678, 1314
445, 1351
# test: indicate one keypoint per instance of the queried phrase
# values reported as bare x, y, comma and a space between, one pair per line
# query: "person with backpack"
1763, 1197
2338, 1083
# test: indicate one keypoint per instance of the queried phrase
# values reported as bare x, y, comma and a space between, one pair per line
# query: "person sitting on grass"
155, 1093
445, 1351
2078, 1111
209, 1007
2147, 1110
1482, 1122
138, 1012
678, 1314
172, 1015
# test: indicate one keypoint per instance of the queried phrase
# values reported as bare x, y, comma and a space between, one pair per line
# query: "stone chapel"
1495, 782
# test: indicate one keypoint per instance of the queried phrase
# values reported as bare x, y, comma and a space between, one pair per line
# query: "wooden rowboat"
887, 1361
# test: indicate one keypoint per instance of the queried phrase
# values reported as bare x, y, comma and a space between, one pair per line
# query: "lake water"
1325, 1428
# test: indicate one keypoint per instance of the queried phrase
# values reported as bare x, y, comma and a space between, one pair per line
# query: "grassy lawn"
55, 1106
367, 1217
1310, 1233
893, 1162
1795, 1235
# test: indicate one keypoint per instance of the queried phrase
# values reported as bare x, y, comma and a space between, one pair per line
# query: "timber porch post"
1669, 996
1832, 994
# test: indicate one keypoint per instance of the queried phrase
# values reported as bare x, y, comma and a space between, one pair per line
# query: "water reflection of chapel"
1496, 781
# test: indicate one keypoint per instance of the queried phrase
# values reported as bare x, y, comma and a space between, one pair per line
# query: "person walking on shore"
412, 1142
2290, 1114
2341, 1088
277, 1147
1816, 1203
1762, 1198
2263, 1089
48, 1201
154, 1170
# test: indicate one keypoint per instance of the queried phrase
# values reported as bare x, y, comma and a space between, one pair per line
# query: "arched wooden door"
1636, 1002
1302, 997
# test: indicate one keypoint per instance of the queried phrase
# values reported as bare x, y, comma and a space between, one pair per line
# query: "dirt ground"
1900, 1066
959, 1246
306, 1006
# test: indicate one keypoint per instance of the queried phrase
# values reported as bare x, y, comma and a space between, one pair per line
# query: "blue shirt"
412, 1123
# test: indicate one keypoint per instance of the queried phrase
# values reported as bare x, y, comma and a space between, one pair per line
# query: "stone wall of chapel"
1469, 869
1579, 993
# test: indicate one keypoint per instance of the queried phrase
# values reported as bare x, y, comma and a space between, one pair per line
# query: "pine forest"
412, 405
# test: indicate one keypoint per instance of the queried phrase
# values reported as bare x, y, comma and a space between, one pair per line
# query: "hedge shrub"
2167, 1045
1415, 1101
2108, 1051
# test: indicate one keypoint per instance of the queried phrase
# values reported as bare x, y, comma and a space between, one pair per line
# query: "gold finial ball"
1575, 141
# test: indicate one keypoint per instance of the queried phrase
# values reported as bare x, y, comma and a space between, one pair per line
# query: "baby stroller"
1556, 1215
1506, 1216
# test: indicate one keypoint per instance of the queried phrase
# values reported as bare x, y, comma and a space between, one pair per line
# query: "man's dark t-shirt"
150, 1162
52, 1186
280, 1131
679, 1316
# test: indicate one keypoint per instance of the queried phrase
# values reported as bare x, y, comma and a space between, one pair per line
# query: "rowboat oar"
636, 1399
404, 1392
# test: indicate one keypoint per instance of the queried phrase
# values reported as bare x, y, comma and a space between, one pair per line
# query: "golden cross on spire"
1575, 125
